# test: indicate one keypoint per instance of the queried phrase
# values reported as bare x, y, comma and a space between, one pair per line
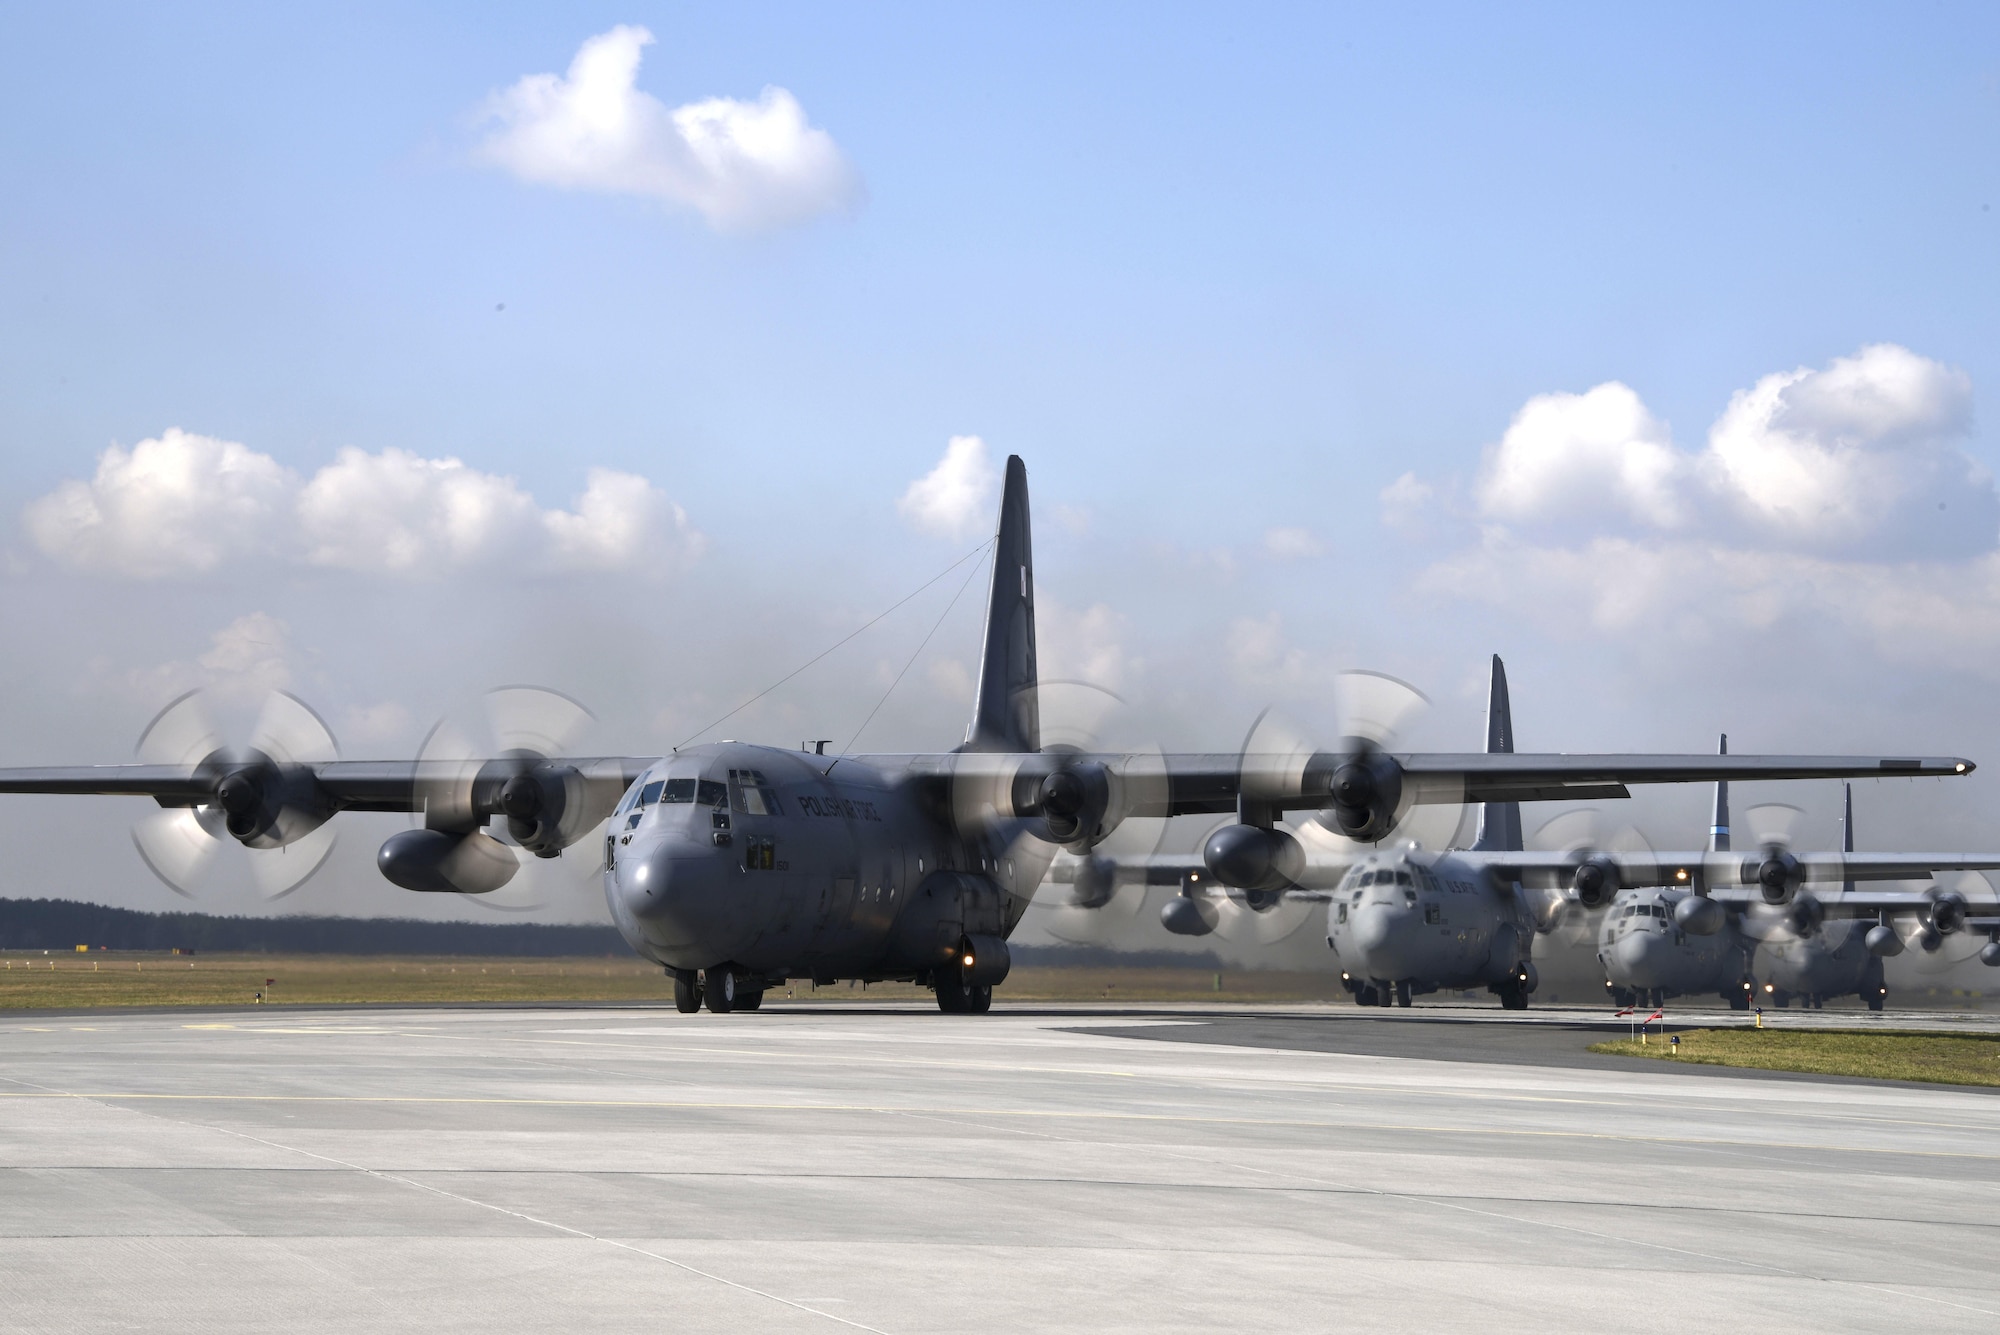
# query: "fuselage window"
1402, 878
1433, 914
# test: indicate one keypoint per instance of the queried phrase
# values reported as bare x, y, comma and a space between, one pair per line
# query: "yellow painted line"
1040, 1114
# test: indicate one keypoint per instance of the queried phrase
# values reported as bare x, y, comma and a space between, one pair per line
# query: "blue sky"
1214, 273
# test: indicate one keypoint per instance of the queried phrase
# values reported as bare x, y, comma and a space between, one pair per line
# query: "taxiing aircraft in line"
1813, 948
1403, 920
737, 866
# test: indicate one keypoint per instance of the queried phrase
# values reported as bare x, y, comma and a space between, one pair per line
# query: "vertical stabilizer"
1499, 822
1006, 715
1718, 828
1847, 829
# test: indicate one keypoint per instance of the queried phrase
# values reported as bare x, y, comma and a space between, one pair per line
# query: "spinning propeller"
1594, 850
505, 761
263, 798
1937, 939
1108, 885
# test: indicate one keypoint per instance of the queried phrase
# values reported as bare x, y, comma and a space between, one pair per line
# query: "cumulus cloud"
1861, 457
184, 505
1569, 453
1838, 497
741, 165
180, 504
1407, 502
1292, 544
956, 498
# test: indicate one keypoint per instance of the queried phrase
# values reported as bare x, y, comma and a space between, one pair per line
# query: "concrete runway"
897, 1170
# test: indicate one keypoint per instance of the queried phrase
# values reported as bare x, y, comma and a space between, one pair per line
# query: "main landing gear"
724, 990
955, 996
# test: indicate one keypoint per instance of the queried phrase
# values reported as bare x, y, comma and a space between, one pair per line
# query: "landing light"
1770, 987
968, 961
1960, 767
1681, 875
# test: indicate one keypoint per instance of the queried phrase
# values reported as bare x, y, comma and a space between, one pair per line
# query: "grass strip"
1944, 1059
60, 980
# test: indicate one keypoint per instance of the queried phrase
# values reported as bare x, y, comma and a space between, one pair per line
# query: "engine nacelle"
1074, 801
1367, 793
446, 862
536, 797
1698, 915
1778, 875
1595, 881
267, 805
1094, 882
1883, 941
1947, 912
1252, 858
1185, 916
1989, 954
1805, 914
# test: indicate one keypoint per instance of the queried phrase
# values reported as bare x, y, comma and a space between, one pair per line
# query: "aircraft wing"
347, 785
1211, 784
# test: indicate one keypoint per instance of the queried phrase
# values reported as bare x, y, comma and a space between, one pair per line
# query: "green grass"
1947, 1059
61, 980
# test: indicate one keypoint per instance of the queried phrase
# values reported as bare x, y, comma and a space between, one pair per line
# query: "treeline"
61, 924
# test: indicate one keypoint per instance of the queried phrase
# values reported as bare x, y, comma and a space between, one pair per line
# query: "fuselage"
1830, 961
787, 864
1642, 949
1427, 920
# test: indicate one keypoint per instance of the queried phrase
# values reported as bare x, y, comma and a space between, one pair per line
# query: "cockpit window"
1403, 878
754, 794
651, 792
702, 792
1367, 878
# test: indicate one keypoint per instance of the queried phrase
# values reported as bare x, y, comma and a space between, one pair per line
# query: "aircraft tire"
719, 991
750, 1001
953, 996
979, 1000
1875, 1002
687, 992
1385, 994
1364, 996
1403, 993
1513, 997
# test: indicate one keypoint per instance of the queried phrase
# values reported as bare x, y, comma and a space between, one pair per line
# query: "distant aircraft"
1403, 920
737, 866
1811, 948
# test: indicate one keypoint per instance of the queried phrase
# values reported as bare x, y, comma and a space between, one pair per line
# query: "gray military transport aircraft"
1403, 920
1812, 948
737, 866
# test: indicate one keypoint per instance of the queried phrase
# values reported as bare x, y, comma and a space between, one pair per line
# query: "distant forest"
61, 924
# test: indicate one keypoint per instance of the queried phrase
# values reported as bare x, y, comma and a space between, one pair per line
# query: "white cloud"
1570, 454
1860, 458
1832, 504
249, 658
186, 505
1086, 644
1292, 544
955, 499
180, 504
1861, 454
741, 165
1407, 502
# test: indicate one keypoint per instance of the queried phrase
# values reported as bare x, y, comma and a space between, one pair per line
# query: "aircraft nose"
1640, 956
1383, 935
676, 891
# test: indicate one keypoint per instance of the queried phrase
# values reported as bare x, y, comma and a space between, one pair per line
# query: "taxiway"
894, 1170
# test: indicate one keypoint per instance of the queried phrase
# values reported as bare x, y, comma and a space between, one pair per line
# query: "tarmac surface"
892, 1169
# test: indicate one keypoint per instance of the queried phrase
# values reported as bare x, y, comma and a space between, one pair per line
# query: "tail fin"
1499, 822
1847, 829
1006, 715
1718, 828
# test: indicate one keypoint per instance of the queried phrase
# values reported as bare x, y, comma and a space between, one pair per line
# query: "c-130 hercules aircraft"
738, 866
